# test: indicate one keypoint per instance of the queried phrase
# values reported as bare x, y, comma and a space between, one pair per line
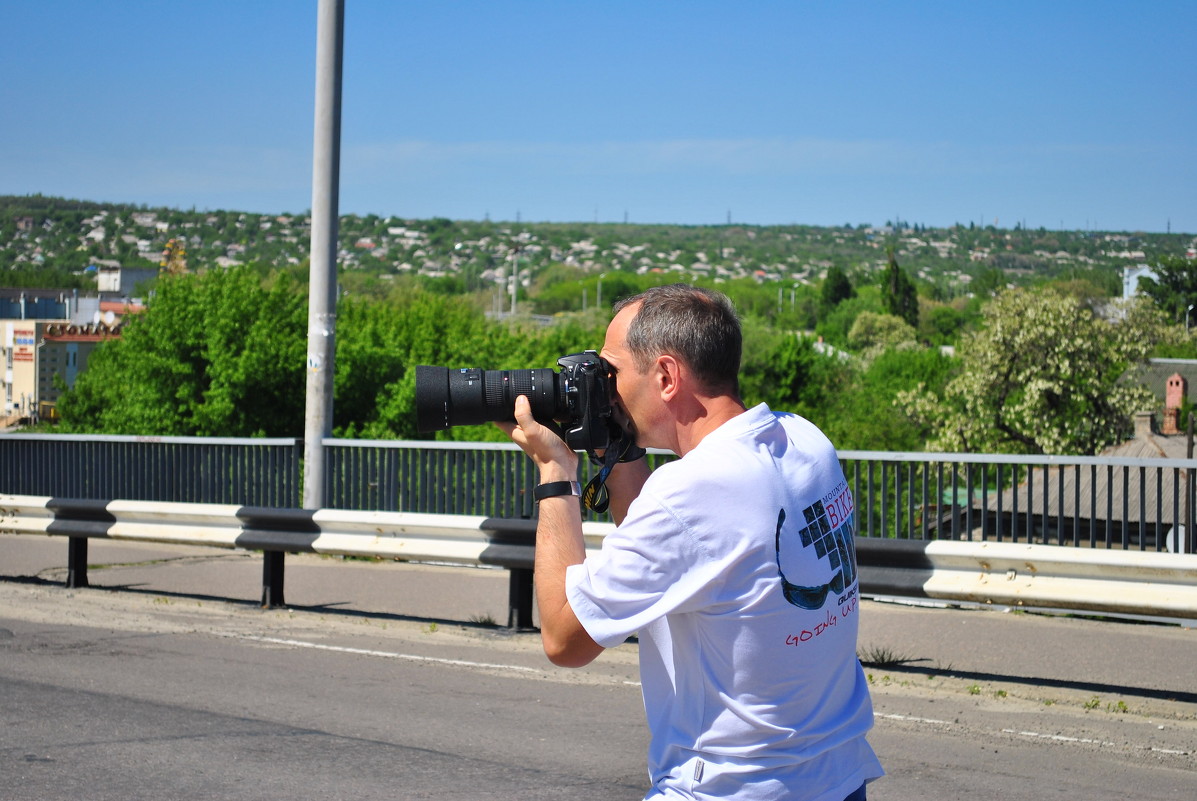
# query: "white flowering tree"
1044, 374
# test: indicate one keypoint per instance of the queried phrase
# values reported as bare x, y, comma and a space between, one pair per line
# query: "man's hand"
553, 458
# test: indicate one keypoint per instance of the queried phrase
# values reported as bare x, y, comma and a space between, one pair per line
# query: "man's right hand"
555, 460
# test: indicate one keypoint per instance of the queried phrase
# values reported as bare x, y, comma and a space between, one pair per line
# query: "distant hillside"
50, 242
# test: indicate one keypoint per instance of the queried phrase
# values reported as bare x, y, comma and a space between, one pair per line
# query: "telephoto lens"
447, 397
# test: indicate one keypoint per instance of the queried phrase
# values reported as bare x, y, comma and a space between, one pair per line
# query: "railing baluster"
1125, 508
926, 466
939, 502
968, 510
1030, 532
1014, 505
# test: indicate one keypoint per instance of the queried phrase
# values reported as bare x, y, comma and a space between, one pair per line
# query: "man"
735, 564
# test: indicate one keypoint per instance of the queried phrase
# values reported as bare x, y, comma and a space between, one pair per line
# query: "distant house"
112, 277
1131, 276
1156, 375
1094, 505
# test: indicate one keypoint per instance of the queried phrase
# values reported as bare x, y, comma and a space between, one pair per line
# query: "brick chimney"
1175, 392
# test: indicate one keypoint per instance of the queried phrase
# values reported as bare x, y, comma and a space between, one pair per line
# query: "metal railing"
1140, 504
1081, 501
251, 472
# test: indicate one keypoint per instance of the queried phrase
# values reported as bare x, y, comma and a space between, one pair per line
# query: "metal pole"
515, 277
322, 297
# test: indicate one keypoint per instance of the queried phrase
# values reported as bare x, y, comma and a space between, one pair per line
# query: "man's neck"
708, 415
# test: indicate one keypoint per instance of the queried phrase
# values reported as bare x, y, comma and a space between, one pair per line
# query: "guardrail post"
519, 598
272, 579
76, 563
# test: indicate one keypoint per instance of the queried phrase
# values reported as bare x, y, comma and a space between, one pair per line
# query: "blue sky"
1081, 115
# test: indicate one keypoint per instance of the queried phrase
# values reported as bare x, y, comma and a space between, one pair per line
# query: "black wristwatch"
555, 489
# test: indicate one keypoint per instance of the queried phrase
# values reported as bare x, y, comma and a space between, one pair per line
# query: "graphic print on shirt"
827, 528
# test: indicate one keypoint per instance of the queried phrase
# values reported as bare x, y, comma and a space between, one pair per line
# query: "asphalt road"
165, 680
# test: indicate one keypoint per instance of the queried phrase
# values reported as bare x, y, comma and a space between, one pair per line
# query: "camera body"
578, 398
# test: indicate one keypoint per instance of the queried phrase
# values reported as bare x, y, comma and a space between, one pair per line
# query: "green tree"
941, 324
836, 288
380, 343
875, 332
835, 325
865, 416
989, 282
213, 355
787, 371
1042, 375
1175, 288
898, 293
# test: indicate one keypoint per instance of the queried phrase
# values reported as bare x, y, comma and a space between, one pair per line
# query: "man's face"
633, 393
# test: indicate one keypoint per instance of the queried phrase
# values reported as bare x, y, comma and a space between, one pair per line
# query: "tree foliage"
1043, 375
864, 414
837, 287
871, 333
786, 371
215, 355
222, 354
898, 293
1175, 288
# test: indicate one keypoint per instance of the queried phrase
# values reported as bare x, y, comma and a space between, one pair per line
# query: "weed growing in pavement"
882, 657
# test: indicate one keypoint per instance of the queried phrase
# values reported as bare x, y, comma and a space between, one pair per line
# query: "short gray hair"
697, 325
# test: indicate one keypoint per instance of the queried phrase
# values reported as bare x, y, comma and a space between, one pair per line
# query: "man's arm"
559, 541
559, 544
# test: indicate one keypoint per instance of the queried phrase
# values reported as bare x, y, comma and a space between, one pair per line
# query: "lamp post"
1191, 307
599, 301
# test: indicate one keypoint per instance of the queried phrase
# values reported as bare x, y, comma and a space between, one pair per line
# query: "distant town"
54, 236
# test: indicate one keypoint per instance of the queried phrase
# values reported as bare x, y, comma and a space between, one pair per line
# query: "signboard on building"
23, 344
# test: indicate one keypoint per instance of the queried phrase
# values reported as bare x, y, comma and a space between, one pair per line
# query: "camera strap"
595, 495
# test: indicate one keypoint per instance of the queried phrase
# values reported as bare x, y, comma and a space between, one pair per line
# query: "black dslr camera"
578, 399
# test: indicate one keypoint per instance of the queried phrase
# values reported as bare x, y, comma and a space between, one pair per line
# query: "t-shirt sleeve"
653, 564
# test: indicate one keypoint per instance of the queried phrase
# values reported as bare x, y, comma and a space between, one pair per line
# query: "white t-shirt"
736, 565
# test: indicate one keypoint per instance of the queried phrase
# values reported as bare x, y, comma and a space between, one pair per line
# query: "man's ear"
668, 376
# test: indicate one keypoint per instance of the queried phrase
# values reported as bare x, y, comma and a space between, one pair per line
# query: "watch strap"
554, 489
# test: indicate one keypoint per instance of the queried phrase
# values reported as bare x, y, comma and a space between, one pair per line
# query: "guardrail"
1029, 575
1131, 504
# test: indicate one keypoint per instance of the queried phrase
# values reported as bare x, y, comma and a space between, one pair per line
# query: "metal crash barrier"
1034, 576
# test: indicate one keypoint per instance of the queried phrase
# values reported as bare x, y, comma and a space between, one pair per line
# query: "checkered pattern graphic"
833, 543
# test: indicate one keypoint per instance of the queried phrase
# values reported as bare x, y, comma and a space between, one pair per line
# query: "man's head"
697, 326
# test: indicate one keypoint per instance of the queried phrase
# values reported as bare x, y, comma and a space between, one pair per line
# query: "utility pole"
515, 277
322, 296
